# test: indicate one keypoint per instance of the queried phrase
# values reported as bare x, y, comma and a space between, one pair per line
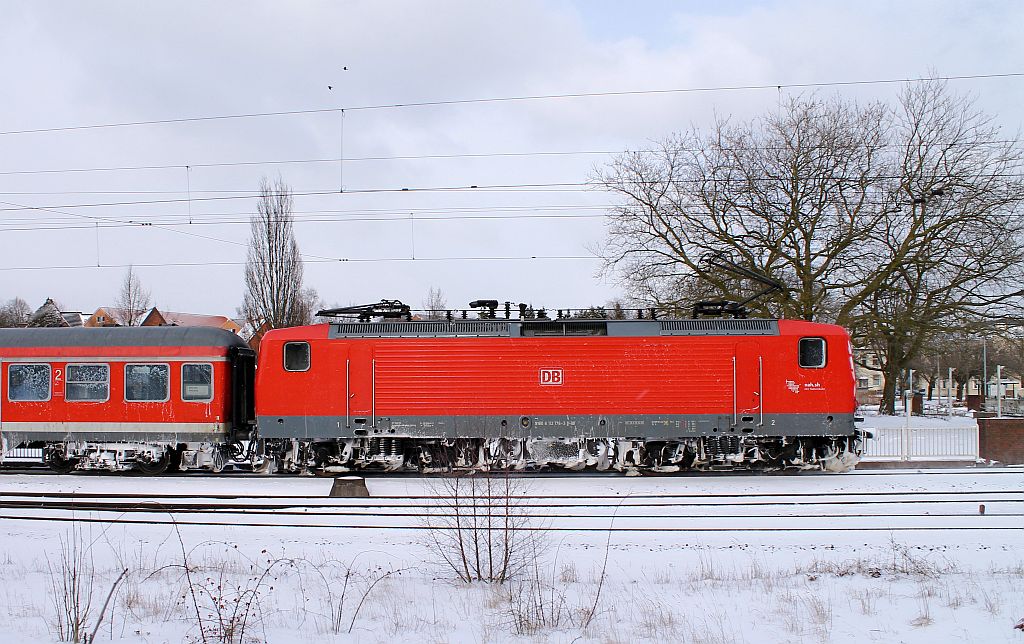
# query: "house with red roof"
156, 317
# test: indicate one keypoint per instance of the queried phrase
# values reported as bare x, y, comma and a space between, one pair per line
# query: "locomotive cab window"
197, 382
147, 382
812, 353
87, 383
296, 356
28, 382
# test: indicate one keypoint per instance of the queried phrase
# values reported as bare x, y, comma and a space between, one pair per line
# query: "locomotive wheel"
154, 469
62, 465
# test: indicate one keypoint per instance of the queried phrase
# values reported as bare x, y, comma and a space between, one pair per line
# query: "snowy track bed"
715, 559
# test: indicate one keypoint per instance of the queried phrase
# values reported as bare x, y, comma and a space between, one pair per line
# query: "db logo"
550, 376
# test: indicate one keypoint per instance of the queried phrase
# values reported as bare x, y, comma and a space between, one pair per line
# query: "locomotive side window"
147, 382
197, 382
296, 356
28, 382
87, 382
812, 353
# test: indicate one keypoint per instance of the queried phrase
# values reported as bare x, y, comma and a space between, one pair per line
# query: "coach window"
146, 382
28, 382
812, 353
87, 382
197, 382
296, 356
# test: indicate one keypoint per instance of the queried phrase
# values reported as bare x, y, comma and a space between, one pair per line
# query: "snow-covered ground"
313, 584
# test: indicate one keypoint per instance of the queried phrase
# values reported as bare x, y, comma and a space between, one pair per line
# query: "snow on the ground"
312, 584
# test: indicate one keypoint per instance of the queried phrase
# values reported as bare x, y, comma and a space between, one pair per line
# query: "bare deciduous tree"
950, 252
435, 306
274, 294
14, 313
789, 194
896, 222
132, 301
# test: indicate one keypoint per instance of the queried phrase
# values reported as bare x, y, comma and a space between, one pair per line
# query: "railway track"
754, 512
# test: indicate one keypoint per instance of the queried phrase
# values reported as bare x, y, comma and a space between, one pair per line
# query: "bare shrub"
569, 574
906, 562
351, 585
924, 615
867, 601
819, 609
536, 604
482, 527
72, 585
902, 561
658, 621
72, 578
226, 609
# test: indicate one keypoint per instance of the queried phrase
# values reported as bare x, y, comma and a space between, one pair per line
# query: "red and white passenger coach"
126, 398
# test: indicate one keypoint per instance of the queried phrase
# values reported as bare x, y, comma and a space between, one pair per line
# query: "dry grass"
899, 590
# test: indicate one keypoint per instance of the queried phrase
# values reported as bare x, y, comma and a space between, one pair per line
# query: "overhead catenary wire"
164, 221
512, 99
537, 187
421, 157
146, 224
561, 186
339, 260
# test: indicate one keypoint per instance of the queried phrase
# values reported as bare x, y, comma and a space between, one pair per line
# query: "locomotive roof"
151, 336
552, 328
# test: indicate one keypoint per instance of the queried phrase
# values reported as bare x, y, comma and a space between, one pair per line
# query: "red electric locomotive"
127, 398
658, 395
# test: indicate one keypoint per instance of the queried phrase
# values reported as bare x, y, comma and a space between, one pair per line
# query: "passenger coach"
126, 398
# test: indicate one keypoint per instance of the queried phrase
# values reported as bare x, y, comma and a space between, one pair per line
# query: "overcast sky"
70, 234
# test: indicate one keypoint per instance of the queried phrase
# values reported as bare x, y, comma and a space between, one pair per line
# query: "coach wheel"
154, 469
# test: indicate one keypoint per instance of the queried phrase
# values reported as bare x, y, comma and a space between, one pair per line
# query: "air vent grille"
719, 327
419, 329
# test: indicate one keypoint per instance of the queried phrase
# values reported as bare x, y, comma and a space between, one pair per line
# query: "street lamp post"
999, 391
984, 370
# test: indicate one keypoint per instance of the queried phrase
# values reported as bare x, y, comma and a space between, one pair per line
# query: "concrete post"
349, 487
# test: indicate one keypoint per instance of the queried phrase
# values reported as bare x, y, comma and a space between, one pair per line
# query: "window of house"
87, 382
812, 353
296, 356
862, 383
197, 382
147, 382
28, 382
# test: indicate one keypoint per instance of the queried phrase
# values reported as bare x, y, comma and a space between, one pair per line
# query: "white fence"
22, 455
922, 444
